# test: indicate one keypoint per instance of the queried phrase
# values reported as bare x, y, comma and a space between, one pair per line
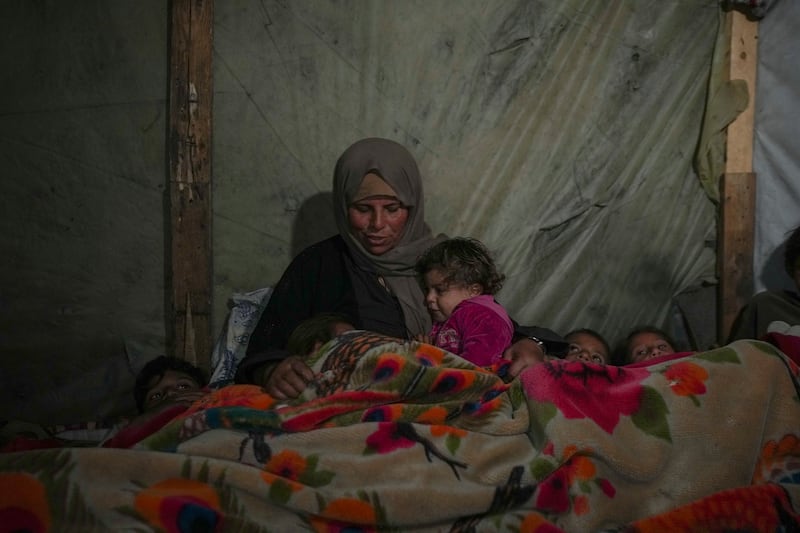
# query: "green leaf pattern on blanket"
605, 395
651, 417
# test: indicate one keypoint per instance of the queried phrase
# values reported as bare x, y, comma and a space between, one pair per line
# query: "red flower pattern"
582, 391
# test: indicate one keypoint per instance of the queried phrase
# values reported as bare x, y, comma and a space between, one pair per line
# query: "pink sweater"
479, 330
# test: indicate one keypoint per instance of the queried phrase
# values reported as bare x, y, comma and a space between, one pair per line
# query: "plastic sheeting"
776, 160
559, 133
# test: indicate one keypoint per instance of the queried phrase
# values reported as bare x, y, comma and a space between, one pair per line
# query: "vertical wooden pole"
738, 184
189, 248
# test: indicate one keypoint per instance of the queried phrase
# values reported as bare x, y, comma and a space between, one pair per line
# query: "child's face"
647, 345
441, 298
170, 384
587, 348
336, 329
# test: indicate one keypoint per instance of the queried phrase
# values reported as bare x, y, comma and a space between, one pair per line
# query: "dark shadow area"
313, 223
773, 275
694, 317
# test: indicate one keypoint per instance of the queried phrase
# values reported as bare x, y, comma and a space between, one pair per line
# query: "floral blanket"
406, 437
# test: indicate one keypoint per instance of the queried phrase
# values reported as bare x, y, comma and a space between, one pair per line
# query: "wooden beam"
189, 247
743, 65
738, 184
737, 205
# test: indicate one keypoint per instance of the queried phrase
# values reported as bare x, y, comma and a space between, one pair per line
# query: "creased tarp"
560, 133
775, 154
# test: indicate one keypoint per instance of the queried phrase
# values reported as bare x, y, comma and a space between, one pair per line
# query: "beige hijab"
398, 169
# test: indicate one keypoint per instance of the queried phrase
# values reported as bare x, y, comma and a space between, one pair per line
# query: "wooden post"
189, 246
738, 184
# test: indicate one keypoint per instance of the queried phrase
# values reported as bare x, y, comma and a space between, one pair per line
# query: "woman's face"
377, 222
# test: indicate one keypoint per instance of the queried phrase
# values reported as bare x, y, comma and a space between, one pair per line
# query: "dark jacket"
323, 278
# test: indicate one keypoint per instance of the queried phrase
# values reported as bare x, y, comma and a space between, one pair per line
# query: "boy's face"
647, 345
586, 348
441, 297
162, 389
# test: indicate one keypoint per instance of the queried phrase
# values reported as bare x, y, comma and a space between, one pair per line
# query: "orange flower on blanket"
429, 355
452, 380
234, 396
288, 472
578, 467
23, 504
435, 415
555, 492
536, 523
180, 505
345, 515
687, 379
440, 430
288, 464
779, 461
388, 366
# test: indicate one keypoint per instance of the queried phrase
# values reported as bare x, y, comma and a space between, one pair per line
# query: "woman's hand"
288, 378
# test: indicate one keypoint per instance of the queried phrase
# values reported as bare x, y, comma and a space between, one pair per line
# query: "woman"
365, 272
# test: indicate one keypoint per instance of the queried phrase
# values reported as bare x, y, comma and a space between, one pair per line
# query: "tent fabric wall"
82, 159
777, 128
559, 133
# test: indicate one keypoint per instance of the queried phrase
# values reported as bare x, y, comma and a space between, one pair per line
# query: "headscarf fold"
395, 164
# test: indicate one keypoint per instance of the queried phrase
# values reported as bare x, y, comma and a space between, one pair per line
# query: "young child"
312, 333
588, 346
459, 279
165, 387
168, 380
646, 342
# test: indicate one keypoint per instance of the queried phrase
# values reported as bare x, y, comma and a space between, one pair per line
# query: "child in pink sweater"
459, 279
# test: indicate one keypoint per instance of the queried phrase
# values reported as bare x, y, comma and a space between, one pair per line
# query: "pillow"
231, 345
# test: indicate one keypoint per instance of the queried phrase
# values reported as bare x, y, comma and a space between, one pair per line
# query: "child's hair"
156, 368
319, 328
593, 333
462, 261
792, 252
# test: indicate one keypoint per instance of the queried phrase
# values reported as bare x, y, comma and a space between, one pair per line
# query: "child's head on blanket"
312, 333
165, 379
646, 342
588, 346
